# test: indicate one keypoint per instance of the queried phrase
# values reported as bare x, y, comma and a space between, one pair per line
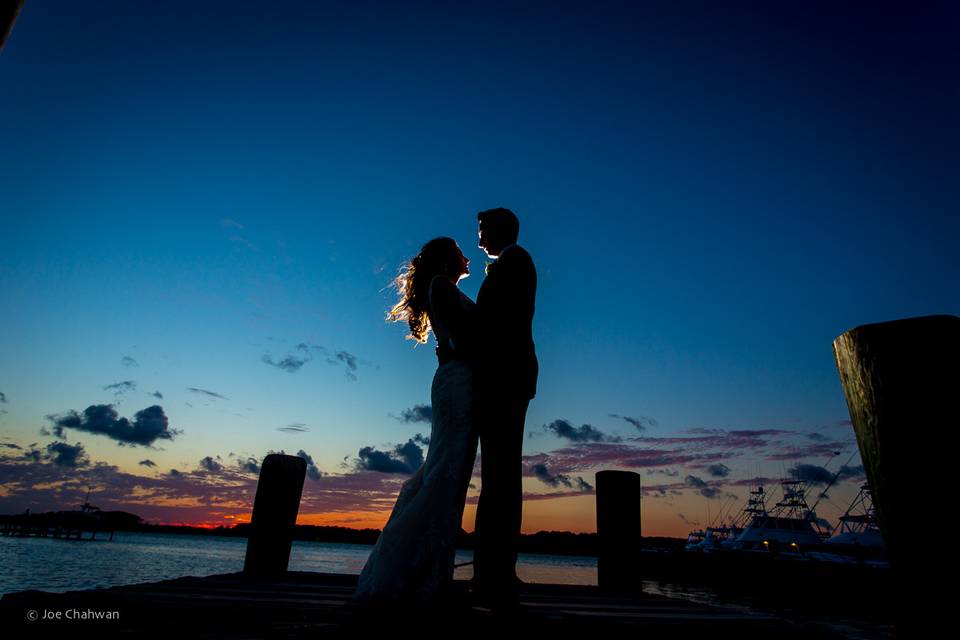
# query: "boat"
789, 528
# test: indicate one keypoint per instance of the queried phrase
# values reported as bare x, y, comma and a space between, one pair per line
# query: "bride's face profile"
459, 268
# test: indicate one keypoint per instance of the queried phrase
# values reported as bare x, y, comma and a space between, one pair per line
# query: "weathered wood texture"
901, 380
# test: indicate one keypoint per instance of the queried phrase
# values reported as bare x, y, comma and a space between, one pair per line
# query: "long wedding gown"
413, 560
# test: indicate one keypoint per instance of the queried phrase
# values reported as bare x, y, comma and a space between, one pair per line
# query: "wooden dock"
315, 605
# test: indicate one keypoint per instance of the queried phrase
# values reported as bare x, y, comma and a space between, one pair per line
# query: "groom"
506, 382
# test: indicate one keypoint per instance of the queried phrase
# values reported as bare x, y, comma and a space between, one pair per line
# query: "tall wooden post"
902, 384
9, 10
274, 515
618, 530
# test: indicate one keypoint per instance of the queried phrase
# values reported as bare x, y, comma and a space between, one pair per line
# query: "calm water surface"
65, 565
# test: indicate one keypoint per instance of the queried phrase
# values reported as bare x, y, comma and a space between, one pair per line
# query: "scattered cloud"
718, 470
296, 427
404, 458
128, 361
292, 362
207, 393
703, 487
249, 465
421, 439
543, 474
417, 413
147, 426
304, 353
673, 473
210, 465
816, 475
148, 463
65, 455
640, 423
157, 395
312, 471
3, 398
584, 433
120, 388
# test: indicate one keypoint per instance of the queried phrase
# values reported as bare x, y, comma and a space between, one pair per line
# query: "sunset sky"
202, 206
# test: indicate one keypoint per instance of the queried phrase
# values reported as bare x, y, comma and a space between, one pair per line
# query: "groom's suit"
507, 380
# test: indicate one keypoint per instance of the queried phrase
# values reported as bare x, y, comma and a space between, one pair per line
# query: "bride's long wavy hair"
413, 283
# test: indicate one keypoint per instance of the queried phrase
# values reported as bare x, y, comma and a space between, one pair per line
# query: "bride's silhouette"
413, 560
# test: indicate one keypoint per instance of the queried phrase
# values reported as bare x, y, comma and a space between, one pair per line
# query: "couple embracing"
485, 379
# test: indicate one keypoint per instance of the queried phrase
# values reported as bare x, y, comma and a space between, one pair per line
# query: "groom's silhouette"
507, 380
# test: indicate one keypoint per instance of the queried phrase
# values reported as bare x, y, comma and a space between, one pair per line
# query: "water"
55, 565
66, 565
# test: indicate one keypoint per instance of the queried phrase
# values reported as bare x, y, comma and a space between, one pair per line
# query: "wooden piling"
275, 510
618, 531
9, 11
902, 380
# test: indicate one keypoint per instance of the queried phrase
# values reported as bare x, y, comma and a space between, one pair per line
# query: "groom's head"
499, 228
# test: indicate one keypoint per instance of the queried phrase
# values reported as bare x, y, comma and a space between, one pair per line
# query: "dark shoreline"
542, 542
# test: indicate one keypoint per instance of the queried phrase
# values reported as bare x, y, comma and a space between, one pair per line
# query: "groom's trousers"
500, 507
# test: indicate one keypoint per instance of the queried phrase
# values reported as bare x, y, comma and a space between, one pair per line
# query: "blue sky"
711, 197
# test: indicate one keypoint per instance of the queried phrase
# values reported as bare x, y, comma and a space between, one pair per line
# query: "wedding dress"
413, 559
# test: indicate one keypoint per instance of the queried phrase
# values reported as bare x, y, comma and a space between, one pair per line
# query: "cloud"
297, 427
228, 223
351, 362
348, 359
703, 487
594, 455
817, 450
417, 413
818, 437
148, 425
210, 465
718, 470
304, 353
65, 455
405, 458
816, 475
584, 433
291, 363
3, 398
250, 465
543, 474
174, 473
10, 445
148, 463
128, 361
204, 392
157, 395
666, 472
640, 423
312, 471
119, 388
421, 439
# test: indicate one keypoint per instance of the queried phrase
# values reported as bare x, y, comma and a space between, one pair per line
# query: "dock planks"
315, 605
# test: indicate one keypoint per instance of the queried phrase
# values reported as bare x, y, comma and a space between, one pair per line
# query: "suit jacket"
505, 304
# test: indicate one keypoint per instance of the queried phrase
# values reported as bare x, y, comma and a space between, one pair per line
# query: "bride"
413, 560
